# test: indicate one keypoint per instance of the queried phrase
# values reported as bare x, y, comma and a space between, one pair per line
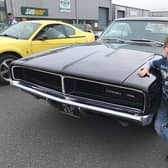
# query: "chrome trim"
121, 107
87, 80
55, 74
143, 120
62, 84
106, 84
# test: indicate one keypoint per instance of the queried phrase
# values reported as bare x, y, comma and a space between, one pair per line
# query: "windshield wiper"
153, 42
7, 35
108, 39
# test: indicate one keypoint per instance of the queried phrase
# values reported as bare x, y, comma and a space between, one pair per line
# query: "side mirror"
90, 31
97, 34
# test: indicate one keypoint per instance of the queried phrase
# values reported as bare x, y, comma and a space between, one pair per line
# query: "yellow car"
30, 37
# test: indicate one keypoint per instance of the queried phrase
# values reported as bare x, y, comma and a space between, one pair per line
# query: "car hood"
102, 62
8, 40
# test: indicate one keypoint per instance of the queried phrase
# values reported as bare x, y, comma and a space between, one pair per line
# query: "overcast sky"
145, 4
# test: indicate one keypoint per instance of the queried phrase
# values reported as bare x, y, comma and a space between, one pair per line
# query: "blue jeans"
161, 121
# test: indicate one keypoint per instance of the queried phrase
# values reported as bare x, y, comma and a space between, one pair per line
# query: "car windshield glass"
3, 26
133, 30
22, 30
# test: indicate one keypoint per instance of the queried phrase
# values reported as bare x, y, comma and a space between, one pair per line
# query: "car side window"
53, 32
69, 30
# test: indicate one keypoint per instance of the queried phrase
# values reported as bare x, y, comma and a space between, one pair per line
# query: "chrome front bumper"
141, 119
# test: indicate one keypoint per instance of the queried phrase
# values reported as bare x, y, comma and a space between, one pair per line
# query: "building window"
3, 17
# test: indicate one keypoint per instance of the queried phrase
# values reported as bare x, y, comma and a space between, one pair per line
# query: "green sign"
65, 5
34, 11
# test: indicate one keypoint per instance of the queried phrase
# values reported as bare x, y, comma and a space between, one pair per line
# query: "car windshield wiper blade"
7, 35
114, 40
148, 41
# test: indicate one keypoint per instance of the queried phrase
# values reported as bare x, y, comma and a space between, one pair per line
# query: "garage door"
103, 17
120, 14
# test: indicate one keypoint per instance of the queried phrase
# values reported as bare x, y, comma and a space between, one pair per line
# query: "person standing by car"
161, 121
88, 28
11, 19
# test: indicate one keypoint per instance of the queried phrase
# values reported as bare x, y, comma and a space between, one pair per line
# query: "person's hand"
144, 72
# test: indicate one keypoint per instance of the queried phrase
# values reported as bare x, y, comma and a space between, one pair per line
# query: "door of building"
120, 14
103, 17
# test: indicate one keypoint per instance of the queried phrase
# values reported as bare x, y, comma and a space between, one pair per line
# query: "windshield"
22, 30
137, 30
3, 26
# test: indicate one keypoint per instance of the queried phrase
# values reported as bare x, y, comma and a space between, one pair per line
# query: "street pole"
76, 12
110, 12
6, 15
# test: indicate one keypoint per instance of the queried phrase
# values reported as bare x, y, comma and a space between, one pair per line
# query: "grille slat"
105, 93
40, 78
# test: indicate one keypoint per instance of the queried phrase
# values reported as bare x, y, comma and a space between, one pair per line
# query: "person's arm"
144, 72
155, 64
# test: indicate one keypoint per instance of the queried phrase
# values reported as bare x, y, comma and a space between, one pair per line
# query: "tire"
5, 61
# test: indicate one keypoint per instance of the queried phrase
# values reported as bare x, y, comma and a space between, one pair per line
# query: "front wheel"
5, 61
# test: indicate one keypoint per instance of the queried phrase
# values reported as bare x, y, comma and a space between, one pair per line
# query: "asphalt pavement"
35, 135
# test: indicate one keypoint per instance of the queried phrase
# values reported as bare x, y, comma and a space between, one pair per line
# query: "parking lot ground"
34, 135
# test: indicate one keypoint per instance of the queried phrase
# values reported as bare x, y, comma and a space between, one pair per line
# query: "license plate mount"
71, 110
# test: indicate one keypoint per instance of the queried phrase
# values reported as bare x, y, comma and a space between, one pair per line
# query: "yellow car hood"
8, 40
15, 45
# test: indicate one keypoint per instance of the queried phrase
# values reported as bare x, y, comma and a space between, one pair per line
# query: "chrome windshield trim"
143, 120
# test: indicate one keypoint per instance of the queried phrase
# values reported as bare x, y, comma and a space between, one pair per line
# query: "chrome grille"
40, 78
102, 92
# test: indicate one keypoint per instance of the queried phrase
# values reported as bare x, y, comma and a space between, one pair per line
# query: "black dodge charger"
100, 77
